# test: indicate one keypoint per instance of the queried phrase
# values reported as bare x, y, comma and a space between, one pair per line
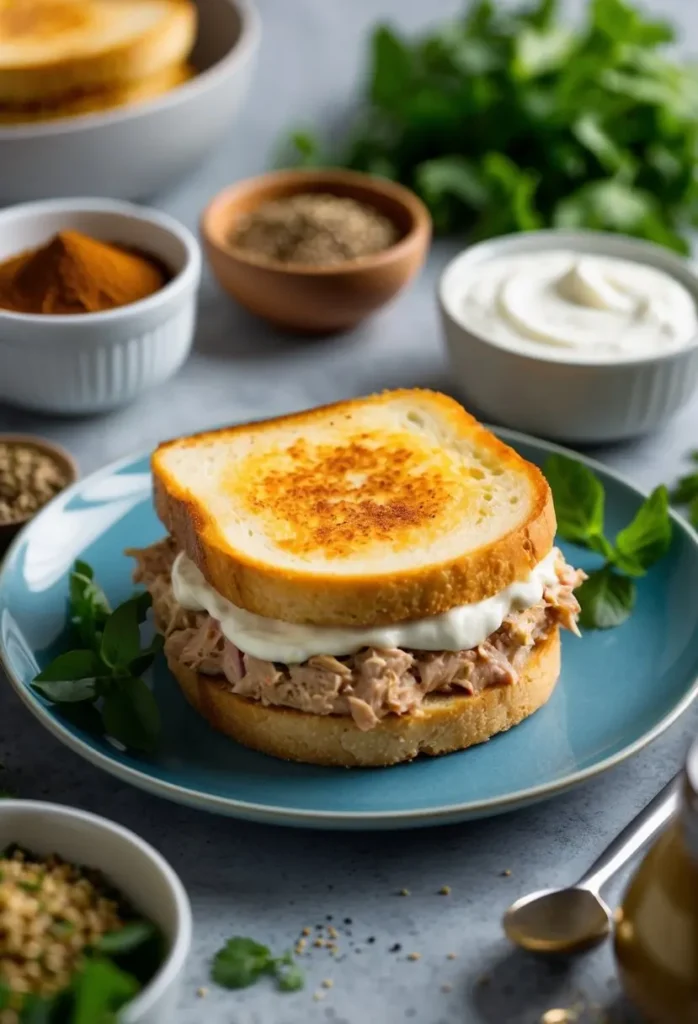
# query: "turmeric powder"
76, 274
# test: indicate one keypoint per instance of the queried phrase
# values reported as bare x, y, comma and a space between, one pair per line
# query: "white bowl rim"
188, 275
244, 47
173, 964
480, 252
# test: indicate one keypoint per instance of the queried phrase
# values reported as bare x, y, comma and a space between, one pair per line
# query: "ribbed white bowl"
554, 395
88, 363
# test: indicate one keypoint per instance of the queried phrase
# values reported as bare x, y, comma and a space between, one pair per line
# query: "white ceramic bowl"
136, 870
86, 363
133, 152
552, 395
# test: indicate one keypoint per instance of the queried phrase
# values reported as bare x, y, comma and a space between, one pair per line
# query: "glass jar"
656, 937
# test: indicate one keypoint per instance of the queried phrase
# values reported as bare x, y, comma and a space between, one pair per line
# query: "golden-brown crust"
336, 599
167, 42
445, 723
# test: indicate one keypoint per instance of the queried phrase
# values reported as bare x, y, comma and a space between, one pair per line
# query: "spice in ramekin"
29, 478
315, 229
51, 913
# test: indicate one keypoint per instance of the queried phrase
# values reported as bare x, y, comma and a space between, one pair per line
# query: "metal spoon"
571, 920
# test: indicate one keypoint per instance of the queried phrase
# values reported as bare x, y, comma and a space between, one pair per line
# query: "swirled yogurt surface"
578, 305
458, 629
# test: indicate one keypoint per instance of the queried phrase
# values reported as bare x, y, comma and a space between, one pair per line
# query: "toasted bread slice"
443, 724
56, 48
369, 511
100, 101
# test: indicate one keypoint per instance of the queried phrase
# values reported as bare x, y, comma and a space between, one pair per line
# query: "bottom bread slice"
444, 722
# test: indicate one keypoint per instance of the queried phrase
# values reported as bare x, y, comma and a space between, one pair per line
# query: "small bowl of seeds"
94, 924
315, 251
32, 472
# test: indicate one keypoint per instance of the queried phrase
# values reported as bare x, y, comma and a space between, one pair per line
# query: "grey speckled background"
270, 883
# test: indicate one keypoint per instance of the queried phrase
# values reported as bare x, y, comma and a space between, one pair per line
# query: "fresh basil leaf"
83, 715
606, 599
579, 500
89, 608
126, 939
72, 665
145, 659
648, 537
100, 991
598, 543
121, 640
686, 490
240, 963
131, 715
143, 602
289, 976
66, 691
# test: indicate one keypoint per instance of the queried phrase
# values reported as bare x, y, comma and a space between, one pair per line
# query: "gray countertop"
270, 883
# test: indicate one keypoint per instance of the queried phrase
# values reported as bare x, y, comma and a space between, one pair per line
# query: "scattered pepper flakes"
404, 892
306, 930
202, 992
327, 983
348, 920
414, 956
445, 890
371, 939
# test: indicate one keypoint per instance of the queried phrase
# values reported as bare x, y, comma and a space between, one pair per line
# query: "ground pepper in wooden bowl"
314, 228
74, 273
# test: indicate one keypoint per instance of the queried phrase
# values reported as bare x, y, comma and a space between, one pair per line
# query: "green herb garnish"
686, 493
242, 962
514, 119
607, 597
99, 685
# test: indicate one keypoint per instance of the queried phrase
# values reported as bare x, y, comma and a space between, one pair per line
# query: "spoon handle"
641, 829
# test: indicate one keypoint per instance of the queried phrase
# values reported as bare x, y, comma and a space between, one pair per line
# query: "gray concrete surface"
270, 883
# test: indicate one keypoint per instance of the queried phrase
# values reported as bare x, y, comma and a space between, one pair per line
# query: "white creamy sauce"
588, 306
272, 640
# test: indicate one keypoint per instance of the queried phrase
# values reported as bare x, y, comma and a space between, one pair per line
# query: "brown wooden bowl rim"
58, 452
419, 230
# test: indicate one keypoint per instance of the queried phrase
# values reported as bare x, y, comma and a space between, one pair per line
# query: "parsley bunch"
607, 597
513, 119
99, 683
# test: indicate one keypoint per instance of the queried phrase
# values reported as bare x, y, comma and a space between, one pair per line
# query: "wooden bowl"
64, 459
315, 299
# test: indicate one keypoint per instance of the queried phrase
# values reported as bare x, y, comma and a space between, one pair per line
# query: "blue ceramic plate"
618, 689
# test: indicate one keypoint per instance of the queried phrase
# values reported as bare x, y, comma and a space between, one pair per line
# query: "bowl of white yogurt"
579, 336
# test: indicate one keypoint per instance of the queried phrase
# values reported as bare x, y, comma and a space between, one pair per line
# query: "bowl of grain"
32, 472
315, 251
93, 921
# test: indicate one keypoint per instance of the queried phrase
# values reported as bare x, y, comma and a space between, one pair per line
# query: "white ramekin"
86, 363
552, 395
136, 870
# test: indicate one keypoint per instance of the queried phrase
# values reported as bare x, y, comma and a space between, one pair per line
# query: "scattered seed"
348, 920
507, 873
414, 956
404, 892
371, 939
319, 996
306, 930
327, 983
332, 932
447, 988
319, 943
445, 890
450, 956
202, 992
396, 948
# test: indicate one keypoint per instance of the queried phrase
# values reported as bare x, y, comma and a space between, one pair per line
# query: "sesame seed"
318, 996
332, 932
202, 992
414, 956
327, 983
445, 890
451, 956
507, 873
404, 892
319, 943
306, 930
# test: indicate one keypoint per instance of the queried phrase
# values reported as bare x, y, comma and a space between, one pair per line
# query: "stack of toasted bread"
61, 58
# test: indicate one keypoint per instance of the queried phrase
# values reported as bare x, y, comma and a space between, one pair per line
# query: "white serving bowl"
132, 152
136, 870
90, 362
552, 394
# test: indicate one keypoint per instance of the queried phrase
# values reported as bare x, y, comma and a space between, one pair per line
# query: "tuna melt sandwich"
358, 584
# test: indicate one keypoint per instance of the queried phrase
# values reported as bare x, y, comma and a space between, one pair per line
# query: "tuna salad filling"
367, 685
